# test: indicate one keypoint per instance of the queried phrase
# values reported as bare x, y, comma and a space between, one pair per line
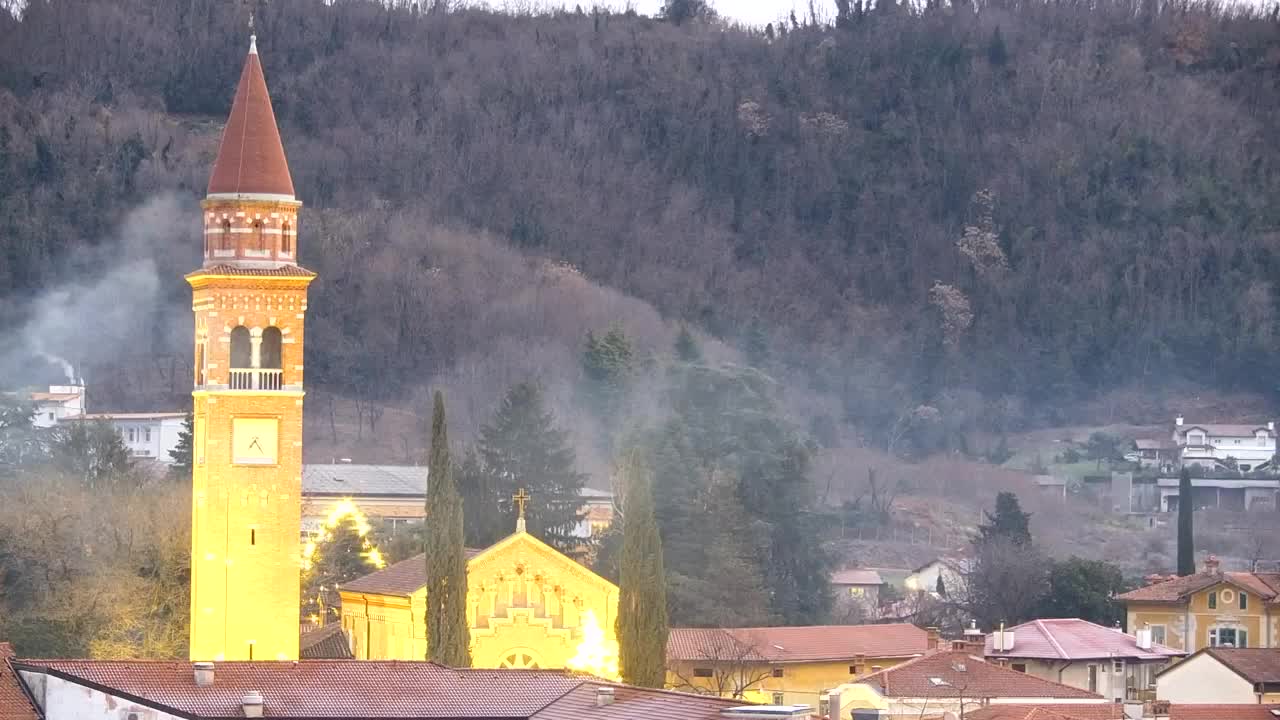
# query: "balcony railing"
257, 379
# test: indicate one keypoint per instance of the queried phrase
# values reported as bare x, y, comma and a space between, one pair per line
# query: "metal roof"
352, 480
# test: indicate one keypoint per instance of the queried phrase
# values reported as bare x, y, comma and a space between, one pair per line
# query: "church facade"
249, 299
528, 606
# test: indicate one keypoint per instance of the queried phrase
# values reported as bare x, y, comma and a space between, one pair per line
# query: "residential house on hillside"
348, 689
925, 578
787, 665
62, 401
1208, 609
1223, 675
860, 585
958, 681
1084, 655
1218, 445
398, 493
1158, 453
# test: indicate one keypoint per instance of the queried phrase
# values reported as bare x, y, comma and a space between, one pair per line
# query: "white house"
1083, 655
60, 403
925, 577
1223, 676
148, 436
1209, 445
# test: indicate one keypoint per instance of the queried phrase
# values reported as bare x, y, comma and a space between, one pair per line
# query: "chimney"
204, 674
1211, 564
1271, 425
934, 637
1178, 421
251, 704
604, 695
1144, 638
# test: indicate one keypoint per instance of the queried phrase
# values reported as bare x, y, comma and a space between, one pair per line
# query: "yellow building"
249, 300
787, 665
1208, 609
528, 606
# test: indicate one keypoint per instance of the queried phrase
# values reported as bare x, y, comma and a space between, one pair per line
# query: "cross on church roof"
520, 499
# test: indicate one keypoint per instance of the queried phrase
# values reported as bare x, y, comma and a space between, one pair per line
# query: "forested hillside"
949, 214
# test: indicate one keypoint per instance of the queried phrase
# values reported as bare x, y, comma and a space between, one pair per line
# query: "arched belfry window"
270, 357
286, 242
226, 235
259, 235
241, 348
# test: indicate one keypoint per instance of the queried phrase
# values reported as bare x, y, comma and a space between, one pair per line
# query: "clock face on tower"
254, 441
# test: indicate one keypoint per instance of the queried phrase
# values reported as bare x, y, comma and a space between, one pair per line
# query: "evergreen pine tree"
483, 523
340, 556
93, 451
448, 637
607, 365
1186, 540
686, 347
522, 448
1008, 522
642, 590
182, 452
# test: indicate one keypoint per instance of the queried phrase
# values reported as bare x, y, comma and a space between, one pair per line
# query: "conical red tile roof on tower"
251, 158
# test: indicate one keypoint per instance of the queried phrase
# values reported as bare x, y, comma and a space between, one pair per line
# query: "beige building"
1222, 676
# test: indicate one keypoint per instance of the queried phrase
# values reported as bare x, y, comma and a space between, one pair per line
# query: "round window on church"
520, 660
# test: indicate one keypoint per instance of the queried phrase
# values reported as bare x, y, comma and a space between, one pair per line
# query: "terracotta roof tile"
282, 271
352, 689
251, 157
1257, 665
14, 704
856, 577
1075, 639
959, 674
1178, 589
797, 644
325, 643
401, 579
1056, 711
1224, 712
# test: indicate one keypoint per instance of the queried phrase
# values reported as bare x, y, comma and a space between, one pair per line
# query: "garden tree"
679, 11
448, 638
181, 453
22, 445
1005, 582
607, 367
1009, 522
642, 584
686, 346
1080, 588
522, 448
1186, 538
482, 498
92, 451
341, 555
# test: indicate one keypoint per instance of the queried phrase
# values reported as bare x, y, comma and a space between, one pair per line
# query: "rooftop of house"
353, 689
128, 416
1224, 712
14, 704
856, 577
1177, 590
328, 642
1155, 444
356, 480
1075, 639
796, 644
1259, 666
959, 674
1057, 711
400, 579
1222, 429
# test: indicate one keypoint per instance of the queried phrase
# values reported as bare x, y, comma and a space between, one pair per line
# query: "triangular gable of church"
528, 550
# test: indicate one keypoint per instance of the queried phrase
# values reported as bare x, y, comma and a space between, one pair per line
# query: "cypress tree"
642, 590
448, 638
1186, 543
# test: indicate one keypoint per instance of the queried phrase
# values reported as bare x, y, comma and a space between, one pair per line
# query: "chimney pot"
1211, 564
203, 673
1178, 421
934, 637
604, 695
251, 704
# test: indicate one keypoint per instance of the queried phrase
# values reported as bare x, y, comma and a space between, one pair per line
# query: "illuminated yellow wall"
1187, 625
246, 474
525, 607
800, 684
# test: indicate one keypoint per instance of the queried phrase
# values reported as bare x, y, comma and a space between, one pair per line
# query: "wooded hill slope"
957, 215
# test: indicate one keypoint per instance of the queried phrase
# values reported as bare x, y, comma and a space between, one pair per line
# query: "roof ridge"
1057, 647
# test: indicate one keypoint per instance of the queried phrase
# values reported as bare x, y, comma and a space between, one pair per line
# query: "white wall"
1202, 679
62, 700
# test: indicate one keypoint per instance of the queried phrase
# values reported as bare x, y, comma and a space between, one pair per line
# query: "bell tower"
249, 300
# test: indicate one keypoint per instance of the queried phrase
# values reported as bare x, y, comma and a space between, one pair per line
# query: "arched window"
270, 352
241, 348
286, 243
226, 235
260, 237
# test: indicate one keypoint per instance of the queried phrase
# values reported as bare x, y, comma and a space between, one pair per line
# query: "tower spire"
251, 161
